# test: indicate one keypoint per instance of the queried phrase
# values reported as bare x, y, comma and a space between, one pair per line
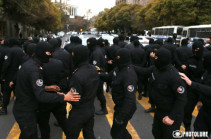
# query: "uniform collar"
38, 62
83, 63
80, 65
165, 68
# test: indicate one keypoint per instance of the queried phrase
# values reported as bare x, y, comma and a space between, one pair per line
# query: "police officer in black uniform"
112, 53
195, 70
97, 58
73, 43
29, 50
182, 54
203, 121
169, 44
85, 81
111, 57
53, 73
122, 42
66, 58
131, 45
138, 59
30, 91
168, 94
150, 61
124, 82
3, 50
12, 61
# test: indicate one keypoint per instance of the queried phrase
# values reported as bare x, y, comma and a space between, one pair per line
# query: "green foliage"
41, 14
134, 18
176, 12
122, 17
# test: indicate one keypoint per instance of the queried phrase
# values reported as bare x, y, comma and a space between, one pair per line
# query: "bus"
167, 31
199, 31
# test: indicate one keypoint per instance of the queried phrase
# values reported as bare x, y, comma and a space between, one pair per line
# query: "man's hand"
199, 105
98, 68
110, 62
72, 97
168, 121
54, 88
185, 78
183, 67
152, 54
11, 84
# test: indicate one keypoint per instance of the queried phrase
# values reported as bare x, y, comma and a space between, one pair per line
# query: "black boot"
152, 109
139, 96
107, 89
144, 94
102, 112
3, 111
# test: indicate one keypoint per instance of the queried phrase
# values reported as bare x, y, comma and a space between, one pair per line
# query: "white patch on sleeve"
153, 77
73, 90
202, 78
114, 73
130, 88
94, 62
5, 57
193, 66
39, 82
181, 89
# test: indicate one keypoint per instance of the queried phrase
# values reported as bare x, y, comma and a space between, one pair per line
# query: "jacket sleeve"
141, 71
176, 58
6, 64
39, 90
75, 87
97, 61
129, 103
179, 89
107, 77
203, 89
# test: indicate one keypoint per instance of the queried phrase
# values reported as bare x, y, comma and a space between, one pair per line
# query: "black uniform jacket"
30, 88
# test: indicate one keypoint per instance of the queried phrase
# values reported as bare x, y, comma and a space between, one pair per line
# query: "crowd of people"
45, 77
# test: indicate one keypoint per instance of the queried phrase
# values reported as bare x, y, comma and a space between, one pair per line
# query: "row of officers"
44, 76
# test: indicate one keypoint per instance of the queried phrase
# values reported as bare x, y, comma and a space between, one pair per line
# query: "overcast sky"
95, 5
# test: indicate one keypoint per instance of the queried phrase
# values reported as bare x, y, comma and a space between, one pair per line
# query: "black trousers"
43, 115
1, 92
27, 122
7, 90
81, 119
203, 121
146, 87
100, 95
191, 103
162, 131
119, 131
140, 87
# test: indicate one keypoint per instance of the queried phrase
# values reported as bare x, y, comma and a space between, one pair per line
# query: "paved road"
139, 126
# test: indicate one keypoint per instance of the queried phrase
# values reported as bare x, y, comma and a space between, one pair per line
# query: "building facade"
141, 2
69, 10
